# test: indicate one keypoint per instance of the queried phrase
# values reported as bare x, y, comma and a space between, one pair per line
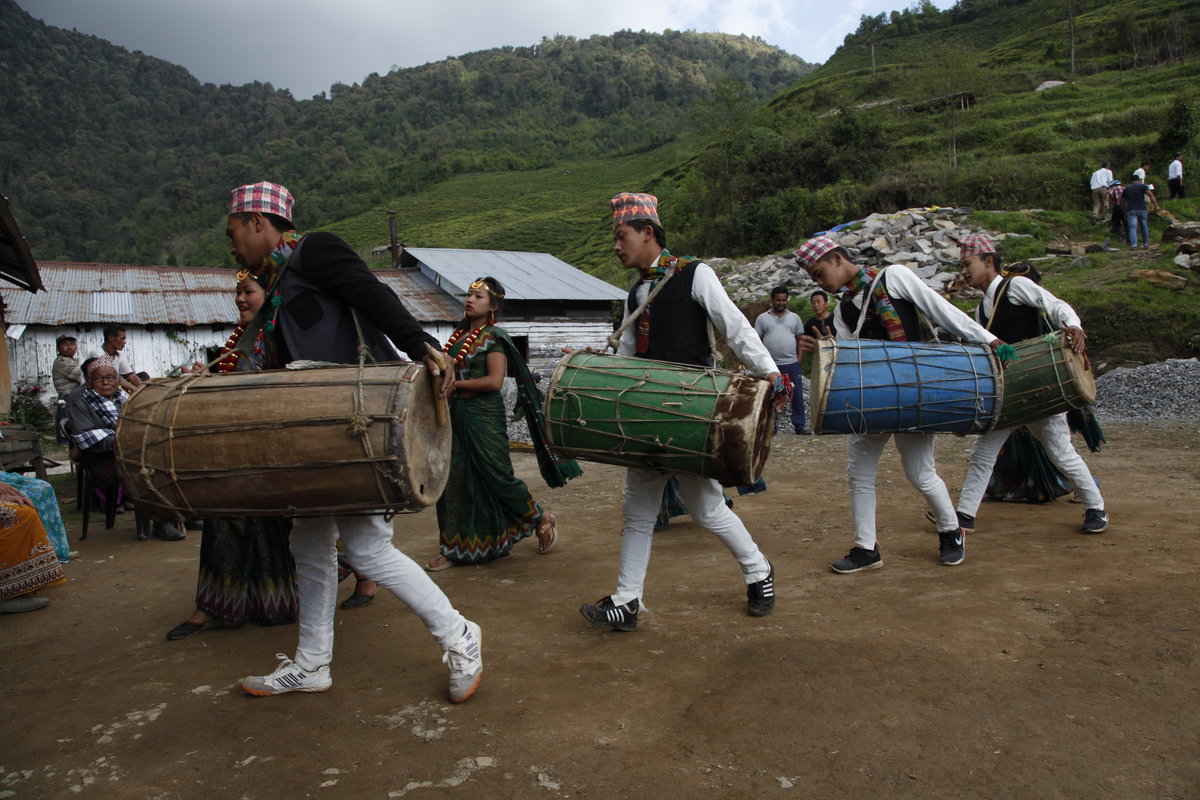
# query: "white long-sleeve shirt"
1175, 169
1101, 177
903, 283
726, 318
1023, 291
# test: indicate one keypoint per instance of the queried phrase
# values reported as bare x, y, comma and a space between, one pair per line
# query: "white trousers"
862, 465
705, 501
1055, 436
367, 543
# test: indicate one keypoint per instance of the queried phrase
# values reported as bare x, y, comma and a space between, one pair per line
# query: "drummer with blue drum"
896, 298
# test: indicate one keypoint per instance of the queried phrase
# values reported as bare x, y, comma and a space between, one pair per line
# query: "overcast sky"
308, 45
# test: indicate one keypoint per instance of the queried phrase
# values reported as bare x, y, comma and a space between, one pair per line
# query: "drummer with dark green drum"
1012, 309
673, 326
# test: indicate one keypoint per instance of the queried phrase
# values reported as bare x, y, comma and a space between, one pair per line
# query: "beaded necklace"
229, 357
468, 345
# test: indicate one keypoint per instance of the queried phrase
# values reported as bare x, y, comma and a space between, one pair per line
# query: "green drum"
661, 416
1047, 378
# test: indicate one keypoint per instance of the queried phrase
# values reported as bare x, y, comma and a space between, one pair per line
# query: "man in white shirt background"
1099, 182
1175, 177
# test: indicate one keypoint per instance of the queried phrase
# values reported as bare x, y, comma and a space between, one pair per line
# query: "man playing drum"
895, 295
674, 327
1013, 308
316, 287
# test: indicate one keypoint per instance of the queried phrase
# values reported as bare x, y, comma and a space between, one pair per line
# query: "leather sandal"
438, 564
547, 533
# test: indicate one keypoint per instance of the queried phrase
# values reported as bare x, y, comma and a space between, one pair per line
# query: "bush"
26, 407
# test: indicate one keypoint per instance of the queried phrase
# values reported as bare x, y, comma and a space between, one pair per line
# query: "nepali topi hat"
976, 244
812, 250
627, 207
263, 197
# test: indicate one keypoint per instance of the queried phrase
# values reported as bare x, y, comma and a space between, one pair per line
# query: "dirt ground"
1049, 665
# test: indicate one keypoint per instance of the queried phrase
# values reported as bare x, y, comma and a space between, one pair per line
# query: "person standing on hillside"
780, 331
1175, 177
1137, 199
1140, 173
890, 299
674, 327
1099, 183
324, 304
1115, 194
1012, 308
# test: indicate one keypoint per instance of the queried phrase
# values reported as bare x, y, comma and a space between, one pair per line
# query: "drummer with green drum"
1013, 308
668, 313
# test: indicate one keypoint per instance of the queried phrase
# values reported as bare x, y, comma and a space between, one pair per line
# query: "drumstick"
435, 382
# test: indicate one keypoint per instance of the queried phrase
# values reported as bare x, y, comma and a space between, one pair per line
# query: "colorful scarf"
654, 273
879, 299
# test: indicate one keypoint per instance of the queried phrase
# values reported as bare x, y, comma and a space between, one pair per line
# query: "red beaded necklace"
460, 359
229, 357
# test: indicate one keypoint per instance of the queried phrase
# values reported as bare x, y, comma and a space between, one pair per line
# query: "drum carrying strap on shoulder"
866, 306
1000, 293
615, 338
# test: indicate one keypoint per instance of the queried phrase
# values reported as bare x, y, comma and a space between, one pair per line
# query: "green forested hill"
117, 156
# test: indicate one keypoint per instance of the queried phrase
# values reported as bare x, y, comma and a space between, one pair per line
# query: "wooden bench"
21, 451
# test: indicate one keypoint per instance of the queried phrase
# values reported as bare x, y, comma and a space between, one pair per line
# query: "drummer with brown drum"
324, 304
669, 309
1013, 308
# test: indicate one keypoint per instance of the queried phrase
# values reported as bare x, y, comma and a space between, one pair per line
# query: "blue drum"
871, 386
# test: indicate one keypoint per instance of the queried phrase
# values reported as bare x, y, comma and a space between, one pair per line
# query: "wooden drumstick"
435, 383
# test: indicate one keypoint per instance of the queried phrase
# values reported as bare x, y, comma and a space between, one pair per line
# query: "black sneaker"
760, 596
1095, 520
967, 523
167, 532
605, 612
952, 545
858, 559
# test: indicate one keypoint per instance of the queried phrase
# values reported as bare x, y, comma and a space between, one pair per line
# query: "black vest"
1011, 322
678, 324
873, 328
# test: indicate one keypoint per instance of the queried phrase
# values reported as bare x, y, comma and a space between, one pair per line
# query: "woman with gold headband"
246, 568
485, 508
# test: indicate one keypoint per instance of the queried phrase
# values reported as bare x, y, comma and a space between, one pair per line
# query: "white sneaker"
465, 660
288, 677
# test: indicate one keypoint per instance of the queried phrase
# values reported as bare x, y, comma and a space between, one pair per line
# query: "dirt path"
1049, 665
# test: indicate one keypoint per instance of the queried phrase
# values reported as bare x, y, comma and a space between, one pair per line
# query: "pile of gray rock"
1163, 391
923, 239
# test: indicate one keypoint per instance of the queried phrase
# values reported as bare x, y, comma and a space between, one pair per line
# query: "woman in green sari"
486, 509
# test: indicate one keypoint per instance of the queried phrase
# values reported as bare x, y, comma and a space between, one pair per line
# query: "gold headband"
481, 284
243, 274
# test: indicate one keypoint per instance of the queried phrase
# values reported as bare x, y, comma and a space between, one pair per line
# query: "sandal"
547, 533
185, 629
438, 564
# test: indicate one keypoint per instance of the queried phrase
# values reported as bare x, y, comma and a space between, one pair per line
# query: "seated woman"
27, 560
246, 568
92, 414
45, 502
485, 508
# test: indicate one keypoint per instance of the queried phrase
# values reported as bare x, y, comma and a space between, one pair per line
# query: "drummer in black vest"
323, 304
897, 297
1013, 308
674, 327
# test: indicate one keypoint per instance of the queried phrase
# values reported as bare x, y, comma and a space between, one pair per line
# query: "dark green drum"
1047, 378
661, 416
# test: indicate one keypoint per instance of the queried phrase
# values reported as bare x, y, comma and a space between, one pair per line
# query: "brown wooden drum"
315, 442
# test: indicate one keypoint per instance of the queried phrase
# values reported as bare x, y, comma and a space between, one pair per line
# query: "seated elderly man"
92, 413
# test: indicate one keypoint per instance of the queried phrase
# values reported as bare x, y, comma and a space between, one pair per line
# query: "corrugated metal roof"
525, 276
16, 261
78, 293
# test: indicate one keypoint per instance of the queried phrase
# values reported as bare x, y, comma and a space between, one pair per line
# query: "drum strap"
615, 338
1000, 293
862, 315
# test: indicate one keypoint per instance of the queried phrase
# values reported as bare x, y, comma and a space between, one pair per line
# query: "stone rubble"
1163, 391
923, 239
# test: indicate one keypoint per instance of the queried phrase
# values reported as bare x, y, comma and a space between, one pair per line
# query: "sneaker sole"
464, 698
876, 565
623, 627
953, 563
1093, 532
269, 693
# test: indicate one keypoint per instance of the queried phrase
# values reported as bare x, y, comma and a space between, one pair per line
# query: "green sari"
486, 509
